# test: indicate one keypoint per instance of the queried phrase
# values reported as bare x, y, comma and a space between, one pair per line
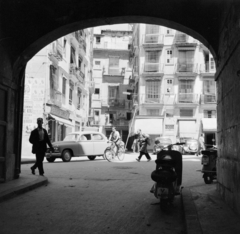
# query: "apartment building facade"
173, 82
58, 85
111, 101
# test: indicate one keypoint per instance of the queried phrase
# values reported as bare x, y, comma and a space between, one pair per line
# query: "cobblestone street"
92, 197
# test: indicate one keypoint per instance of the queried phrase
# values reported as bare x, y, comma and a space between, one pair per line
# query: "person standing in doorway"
144, 142
39, 138
201, 144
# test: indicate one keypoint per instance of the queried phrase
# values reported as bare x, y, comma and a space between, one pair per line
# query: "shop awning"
209, 124
187, 129
62, 121
149, 126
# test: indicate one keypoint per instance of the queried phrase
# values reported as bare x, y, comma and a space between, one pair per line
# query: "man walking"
39, 138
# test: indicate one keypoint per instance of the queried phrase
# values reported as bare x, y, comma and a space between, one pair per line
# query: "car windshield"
71, 137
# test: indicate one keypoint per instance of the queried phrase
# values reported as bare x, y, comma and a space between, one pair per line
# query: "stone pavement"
205, 211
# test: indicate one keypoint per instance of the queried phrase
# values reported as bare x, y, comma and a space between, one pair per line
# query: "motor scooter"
168, 175
209, 160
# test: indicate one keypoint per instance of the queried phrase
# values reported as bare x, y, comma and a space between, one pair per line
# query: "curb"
13, 192
28, 162
192, 223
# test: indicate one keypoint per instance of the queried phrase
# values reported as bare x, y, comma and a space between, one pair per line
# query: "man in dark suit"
39, 138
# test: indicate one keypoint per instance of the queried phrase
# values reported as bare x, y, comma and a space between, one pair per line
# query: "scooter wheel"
208, 179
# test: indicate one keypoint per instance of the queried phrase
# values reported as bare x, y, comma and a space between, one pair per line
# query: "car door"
85, 146
99, 143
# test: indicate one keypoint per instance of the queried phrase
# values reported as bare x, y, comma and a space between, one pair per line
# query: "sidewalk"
206, 213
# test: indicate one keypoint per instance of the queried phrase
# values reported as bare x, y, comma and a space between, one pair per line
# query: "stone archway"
27, 26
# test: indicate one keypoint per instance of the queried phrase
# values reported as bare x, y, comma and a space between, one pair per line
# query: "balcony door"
186, 91
209, 91
186, 61
112, 95
152, 91
152, 61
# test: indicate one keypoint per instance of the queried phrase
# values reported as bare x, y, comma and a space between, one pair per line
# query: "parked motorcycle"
168, 175
209, 161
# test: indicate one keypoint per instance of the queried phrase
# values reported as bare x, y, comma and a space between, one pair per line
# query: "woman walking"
144, 142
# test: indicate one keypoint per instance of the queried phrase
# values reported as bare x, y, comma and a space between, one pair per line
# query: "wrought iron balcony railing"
187, 67
153, 39
208, 68
208, 98
188, 98
153, 67
151, 99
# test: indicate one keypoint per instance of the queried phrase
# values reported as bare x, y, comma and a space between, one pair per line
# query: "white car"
77, 144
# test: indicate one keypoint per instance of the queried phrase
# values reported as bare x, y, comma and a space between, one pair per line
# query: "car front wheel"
66, 155
91, 157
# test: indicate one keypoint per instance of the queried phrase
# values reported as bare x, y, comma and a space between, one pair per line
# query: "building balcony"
187, 98
153, 41
114, 71
186, 68
154, 69
209, 68
79, 75
117, 103
208, 99
182, 39
56, 53
151, 99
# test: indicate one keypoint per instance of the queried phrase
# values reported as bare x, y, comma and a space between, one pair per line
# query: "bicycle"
110, 152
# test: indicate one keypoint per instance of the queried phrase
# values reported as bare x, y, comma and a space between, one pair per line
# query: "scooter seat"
164, 176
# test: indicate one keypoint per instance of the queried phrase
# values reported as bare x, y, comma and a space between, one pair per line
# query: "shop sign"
59, 112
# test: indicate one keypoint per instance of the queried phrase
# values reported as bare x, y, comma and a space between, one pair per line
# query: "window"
209, 87
186, 61
96, 117
64, 86
64, 46
212, 64
186, 112
97, 91
80, 63
186, 86
129, 115
169, 58
169, 127
152, 57
209, 114
112, 92
70, 96
98, 40
97, 137
73, 56
152, 89
97, 63
79, 97
153, 112
85, 137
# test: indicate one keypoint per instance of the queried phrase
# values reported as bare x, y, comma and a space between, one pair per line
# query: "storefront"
153, 127
59, 124
187, 129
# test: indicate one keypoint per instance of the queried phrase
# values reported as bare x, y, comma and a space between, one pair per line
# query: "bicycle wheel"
109, 155
121, 154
